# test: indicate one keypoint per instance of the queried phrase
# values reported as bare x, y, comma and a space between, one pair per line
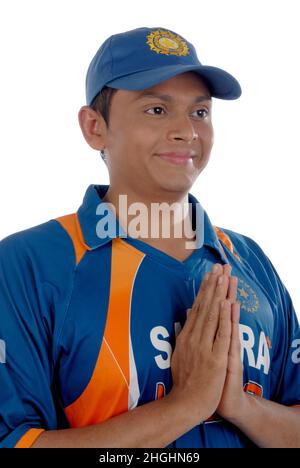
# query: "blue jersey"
88, 325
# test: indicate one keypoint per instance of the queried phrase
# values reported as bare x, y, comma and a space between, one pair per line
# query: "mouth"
176, 158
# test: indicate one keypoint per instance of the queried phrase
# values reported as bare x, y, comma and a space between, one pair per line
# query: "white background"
251, 184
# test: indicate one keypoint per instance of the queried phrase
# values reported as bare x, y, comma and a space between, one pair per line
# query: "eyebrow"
168, 98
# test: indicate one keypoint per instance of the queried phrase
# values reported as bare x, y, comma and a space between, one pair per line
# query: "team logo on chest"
247, 297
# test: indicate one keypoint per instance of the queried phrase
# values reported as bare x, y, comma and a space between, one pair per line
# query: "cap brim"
221, 84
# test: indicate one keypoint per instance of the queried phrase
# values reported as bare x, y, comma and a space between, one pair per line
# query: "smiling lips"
179, 158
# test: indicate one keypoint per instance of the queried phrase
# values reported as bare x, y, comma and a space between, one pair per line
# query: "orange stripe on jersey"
107, 393
71, 224
226, 240
160, 390
253, 387
28, 439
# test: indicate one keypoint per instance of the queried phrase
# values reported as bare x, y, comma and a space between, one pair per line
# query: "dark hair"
101, 102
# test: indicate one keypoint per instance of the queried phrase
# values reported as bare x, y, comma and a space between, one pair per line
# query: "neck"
133, 196
151, 216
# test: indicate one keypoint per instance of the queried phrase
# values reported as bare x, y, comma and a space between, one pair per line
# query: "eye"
202, 113
157, 110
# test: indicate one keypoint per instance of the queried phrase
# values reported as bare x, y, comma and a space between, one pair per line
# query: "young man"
113, 337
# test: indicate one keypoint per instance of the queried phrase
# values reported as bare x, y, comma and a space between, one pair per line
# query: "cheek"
208, 139
132, 140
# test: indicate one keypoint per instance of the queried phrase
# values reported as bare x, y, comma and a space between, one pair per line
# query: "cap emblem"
167, 43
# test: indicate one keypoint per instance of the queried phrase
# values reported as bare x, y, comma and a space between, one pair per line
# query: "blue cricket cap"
143, 57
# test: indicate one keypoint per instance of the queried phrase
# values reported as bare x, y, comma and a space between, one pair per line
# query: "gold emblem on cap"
167, 43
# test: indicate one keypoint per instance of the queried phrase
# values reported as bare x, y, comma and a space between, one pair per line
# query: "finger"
207, 327
202, 303
206, 282
227, 269
232, 289
221, 343
207, 289
189, 323
235, 365
235, 345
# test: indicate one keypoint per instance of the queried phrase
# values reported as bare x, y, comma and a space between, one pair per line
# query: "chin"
177, 184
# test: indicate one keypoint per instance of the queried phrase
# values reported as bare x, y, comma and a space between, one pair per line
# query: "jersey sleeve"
26, 369
285, 365
286, 359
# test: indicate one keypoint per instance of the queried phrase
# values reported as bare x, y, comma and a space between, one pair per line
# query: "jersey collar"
92, 210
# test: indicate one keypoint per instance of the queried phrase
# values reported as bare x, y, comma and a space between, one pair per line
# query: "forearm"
269, 424
154, 424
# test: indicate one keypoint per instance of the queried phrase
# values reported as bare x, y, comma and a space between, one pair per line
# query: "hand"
233, 396
200, 359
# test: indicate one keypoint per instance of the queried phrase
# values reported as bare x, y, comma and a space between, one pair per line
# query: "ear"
93, 127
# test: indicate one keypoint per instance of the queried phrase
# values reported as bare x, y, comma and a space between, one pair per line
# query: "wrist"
243, 410
186, 409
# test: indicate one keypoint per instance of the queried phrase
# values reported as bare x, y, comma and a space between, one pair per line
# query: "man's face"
159, 139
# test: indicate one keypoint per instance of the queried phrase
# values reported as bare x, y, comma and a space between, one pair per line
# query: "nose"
182, 128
